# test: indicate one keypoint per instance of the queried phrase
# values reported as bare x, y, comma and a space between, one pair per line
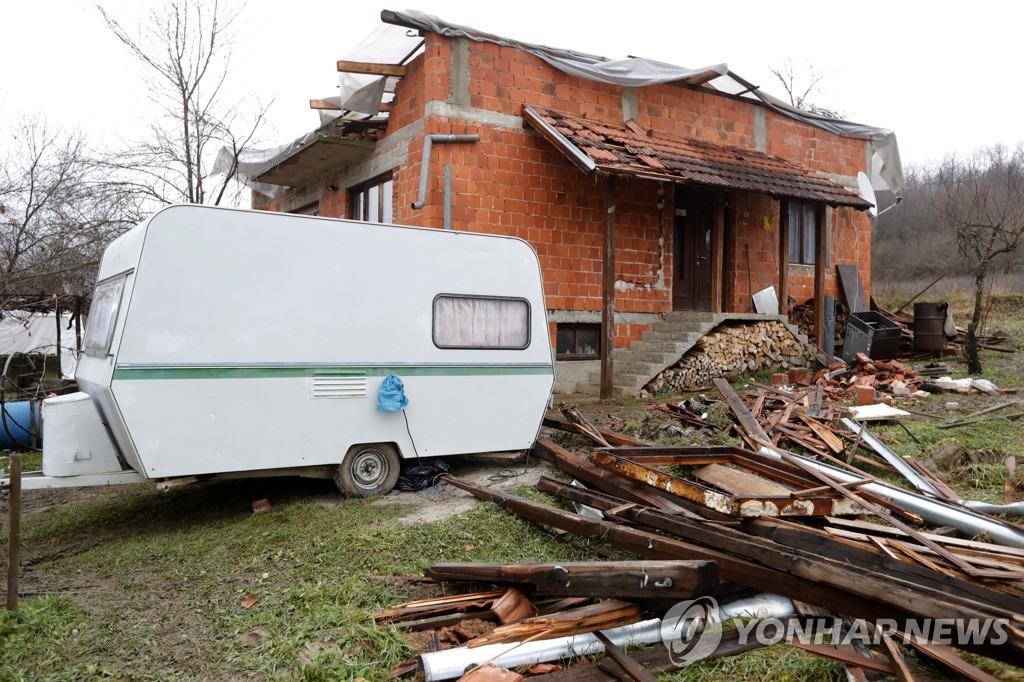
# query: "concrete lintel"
472, 115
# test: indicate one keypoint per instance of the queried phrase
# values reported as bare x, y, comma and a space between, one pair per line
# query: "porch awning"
313, 160
630, 150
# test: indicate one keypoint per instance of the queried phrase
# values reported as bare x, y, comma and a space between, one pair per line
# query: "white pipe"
933, 511
453, 663
916, 479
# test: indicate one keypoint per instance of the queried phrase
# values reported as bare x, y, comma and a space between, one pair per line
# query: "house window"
578, 342
372, 201
803, 223
481, 322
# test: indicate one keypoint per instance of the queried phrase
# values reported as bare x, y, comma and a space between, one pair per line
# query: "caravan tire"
368, 469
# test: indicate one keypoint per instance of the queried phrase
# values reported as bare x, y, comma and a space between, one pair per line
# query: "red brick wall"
850, 239
512, 182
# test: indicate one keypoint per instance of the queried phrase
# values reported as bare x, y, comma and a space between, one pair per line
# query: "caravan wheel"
369, 469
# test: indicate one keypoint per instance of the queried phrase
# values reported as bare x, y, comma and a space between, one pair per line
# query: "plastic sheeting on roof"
388, 44
36, 334
639, 72
633, 72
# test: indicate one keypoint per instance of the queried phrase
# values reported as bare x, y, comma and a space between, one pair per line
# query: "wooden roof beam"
331, 106
371, 68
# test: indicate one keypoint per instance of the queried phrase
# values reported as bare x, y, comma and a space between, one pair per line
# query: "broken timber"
621, 579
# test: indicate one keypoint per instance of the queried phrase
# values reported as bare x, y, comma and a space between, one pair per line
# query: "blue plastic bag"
392, 395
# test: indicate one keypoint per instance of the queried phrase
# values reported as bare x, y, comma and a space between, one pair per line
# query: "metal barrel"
19, 425
929, 319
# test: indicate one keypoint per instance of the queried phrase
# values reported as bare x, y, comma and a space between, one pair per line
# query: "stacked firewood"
802, 316
734, 349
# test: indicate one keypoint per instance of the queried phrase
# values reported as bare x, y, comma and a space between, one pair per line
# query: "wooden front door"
693, 249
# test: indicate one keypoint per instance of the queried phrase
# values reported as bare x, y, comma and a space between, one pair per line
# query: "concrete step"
692, 317
648, 355
648, 368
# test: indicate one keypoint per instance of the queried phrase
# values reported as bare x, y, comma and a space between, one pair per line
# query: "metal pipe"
1010, 509
447, 196
931, 510
922, 483
453, 663
916, 479
428, 143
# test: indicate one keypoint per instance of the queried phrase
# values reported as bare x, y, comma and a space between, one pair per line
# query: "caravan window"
481, 322
106, 300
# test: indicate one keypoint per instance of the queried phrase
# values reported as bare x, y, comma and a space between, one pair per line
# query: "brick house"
645, 196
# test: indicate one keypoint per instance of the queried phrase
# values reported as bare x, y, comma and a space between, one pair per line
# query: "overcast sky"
940, 74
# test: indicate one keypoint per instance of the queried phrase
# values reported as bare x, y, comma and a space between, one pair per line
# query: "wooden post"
783, 257
820, 256
608, 293
14, 533
717, 252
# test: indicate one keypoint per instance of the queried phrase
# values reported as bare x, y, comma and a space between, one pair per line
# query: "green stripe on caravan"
265, 372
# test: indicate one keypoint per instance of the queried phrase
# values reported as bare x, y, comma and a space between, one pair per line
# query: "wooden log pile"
884, 572
734, 349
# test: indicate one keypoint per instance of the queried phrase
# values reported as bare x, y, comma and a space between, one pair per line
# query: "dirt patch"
440, 501
948, 455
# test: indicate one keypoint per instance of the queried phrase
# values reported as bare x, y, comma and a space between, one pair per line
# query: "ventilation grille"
338, 385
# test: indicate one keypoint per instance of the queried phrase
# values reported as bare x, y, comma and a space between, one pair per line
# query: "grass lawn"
132, 583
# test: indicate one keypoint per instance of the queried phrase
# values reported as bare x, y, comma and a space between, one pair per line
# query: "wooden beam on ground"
608, 293
844, 656
620, 487
603, 579
613, 437
633, 670
371, 68
950, 659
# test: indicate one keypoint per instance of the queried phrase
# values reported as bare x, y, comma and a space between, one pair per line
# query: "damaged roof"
310, 157
597, 145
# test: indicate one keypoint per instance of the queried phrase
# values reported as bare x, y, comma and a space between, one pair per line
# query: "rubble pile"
810, 540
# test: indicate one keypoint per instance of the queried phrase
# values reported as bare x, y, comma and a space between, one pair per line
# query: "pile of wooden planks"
734, 348
722, 522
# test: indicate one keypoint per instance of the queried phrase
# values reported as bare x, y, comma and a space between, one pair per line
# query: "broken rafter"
371, 68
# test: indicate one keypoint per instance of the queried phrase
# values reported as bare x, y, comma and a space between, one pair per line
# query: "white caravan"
226, 342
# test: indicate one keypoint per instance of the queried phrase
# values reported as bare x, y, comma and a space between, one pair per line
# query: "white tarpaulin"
36, 333
637, 72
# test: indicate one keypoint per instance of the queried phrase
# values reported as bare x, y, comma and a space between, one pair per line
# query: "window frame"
576, 327
358, 199
92, 346
433, 321
798, 232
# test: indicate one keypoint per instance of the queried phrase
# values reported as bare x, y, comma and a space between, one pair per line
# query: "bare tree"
802, 85
186, 47
982, 201
58, 209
